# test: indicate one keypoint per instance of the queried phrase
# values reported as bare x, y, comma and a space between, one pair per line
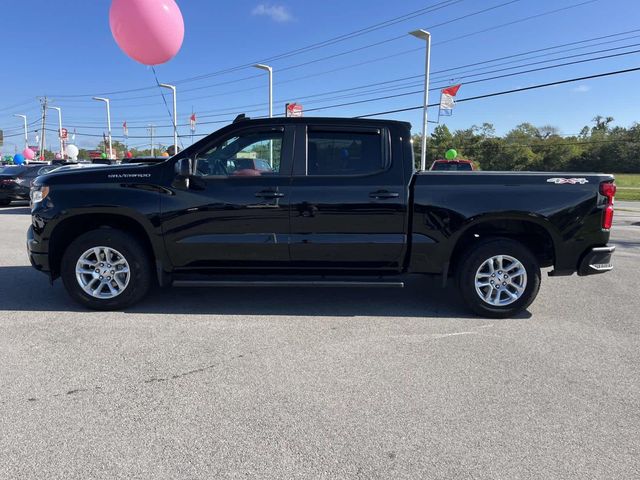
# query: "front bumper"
596, 260
39, 260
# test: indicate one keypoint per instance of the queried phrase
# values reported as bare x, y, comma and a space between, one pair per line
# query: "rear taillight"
608, 189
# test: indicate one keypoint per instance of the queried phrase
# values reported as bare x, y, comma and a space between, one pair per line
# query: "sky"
65, 50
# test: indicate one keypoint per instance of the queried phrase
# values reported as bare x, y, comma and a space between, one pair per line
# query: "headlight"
38, 193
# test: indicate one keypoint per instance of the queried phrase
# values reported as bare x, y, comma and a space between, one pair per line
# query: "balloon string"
164, 99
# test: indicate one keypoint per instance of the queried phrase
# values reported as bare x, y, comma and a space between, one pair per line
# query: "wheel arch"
75, 225
533, 232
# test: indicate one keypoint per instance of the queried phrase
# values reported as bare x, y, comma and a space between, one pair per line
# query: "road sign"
64, 134
293, 110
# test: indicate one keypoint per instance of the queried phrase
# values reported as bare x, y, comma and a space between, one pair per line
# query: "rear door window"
345, 153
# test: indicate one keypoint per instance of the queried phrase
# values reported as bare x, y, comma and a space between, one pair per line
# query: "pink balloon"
29, 154
149, 31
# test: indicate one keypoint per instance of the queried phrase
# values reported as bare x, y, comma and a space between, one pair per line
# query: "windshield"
47, 169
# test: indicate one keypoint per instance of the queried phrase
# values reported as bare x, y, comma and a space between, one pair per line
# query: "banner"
125, 129
293, 110
192, 123
448, 99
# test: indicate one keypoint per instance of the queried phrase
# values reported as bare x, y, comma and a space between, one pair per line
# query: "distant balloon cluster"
149, 31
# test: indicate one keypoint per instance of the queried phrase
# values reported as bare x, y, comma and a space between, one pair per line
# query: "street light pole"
106, 100
424, 35
26, 135
175, 115
59, 130
269, 69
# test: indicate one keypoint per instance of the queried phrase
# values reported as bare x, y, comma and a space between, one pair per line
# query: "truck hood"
130, 173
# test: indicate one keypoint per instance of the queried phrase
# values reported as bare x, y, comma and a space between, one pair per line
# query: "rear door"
348, 199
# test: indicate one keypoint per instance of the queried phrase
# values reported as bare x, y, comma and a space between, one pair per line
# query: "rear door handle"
383, 194
269, 194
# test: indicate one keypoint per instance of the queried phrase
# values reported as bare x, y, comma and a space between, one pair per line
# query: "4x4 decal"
570, 181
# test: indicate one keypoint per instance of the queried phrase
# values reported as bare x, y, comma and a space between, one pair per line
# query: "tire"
5, 202
117, 246
499, 254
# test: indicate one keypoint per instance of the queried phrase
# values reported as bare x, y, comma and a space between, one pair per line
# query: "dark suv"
16, 180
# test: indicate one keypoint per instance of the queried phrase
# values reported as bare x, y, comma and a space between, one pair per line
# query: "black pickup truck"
340, 205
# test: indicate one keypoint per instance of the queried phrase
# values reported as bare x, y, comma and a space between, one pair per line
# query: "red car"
250, 167
453, 165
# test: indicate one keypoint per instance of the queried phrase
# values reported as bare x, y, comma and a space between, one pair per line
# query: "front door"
234, 214
348, 200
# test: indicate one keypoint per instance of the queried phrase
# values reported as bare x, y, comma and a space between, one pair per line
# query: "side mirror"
184, 168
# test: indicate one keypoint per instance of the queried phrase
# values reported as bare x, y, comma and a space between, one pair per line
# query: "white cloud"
277, 13
582, 88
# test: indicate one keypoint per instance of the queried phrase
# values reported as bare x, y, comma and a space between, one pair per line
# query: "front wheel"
499, 278
106, 269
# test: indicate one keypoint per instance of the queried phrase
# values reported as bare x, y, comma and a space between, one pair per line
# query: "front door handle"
269, 194
383, 194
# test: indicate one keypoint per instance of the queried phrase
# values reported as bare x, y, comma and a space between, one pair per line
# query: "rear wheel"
106, 269
499, 278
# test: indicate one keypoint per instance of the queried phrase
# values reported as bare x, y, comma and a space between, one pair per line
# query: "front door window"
252, 154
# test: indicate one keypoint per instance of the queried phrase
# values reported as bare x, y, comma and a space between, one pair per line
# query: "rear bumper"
597, 260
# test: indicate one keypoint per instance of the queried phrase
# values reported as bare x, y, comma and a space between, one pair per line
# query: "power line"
495, 27
435, 88
508, 92
321, 44
231, 110
468, 99
190, 99
431, 27
478, 81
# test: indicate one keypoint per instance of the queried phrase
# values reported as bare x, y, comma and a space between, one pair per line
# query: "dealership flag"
125, 129
192, 123
447, 99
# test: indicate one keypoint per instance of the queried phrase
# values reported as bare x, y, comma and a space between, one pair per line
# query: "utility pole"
151, 132
192, 125
44, 102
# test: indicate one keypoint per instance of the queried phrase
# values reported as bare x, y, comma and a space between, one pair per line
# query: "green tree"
118, 148
599, 147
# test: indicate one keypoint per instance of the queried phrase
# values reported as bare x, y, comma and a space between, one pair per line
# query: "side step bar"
286, 283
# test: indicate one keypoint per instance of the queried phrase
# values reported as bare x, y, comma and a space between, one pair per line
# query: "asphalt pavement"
320, 383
